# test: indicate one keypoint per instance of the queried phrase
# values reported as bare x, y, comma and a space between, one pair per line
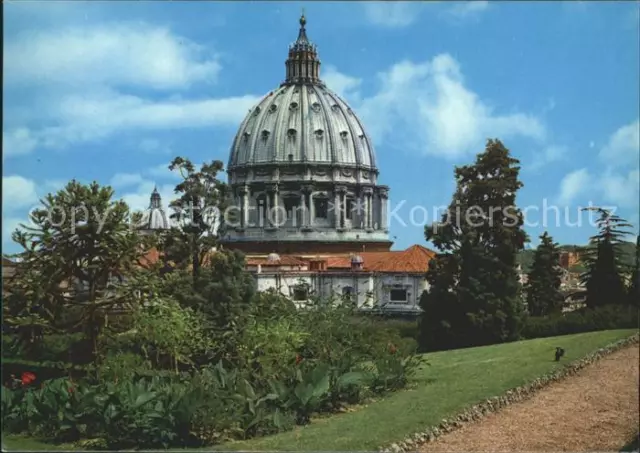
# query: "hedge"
583, 320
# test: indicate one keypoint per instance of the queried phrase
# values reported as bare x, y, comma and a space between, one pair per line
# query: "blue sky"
111, 91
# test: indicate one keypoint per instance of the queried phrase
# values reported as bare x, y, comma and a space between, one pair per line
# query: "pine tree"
543, 285
474, 296
603, 279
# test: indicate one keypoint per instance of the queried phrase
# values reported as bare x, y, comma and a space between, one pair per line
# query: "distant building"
154, 219
569, 259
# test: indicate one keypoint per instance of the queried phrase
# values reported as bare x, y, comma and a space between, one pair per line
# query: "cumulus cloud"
125, 179
621, 188
623, 146
441, 115
572, 185
9, 225
135, 54
18, 192
18, 141
84, 119
87, 92
341, 84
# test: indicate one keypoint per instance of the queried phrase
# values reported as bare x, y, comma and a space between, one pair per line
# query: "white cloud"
9, 225
85, 119
392, 14
621, 189
86, 92
139, 198
162, 172
18, 192
152, 145
466, 10
572, 185
623, 146
550, 154
125, 179
340, 83
439, 114
121, 53
18, 141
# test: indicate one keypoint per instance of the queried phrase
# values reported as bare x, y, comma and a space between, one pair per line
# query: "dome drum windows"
321, 206
265, 135
291, 133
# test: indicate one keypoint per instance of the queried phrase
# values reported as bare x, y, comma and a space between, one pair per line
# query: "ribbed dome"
303, 171
302, 123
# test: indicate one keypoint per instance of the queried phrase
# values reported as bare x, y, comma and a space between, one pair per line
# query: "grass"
454, 380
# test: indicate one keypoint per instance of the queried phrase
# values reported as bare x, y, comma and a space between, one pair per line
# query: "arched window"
261, 209
321, 207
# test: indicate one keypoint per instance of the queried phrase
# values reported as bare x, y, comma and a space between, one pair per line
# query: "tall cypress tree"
474, 296
543, 286
604, 261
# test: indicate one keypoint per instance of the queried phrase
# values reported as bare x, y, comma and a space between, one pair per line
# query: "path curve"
594, 410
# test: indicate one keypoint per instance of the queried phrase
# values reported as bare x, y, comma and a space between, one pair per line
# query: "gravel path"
595, 410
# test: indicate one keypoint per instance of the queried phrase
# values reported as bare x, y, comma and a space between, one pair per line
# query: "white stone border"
479, 411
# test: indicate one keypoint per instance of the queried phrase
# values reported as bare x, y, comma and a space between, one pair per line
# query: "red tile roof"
415, 259
285, 260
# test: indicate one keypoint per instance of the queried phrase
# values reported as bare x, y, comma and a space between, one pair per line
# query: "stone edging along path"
491, 405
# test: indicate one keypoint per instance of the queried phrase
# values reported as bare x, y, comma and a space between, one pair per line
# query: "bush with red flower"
27, 378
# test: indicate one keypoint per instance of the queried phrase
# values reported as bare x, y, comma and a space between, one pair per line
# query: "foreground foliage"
455, 380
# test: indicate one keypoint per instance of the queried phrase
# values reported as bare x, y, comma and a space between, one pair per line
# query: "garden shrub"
583, 320
154, 389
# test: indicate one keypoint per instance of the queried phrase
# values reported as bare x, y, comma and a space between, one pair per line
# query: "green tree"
79, 245
634, 287
603, 279
202, 199
222, 293
474, 296
543, 286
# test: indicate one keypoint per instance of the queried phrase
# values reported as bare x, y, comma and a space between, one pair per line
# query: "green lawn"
454, 380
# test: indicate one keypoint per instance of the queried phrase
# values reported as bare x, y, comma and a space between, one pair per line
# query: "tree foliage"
202, 199
543, 286
78, 247
603, 279
474, 295
634, 287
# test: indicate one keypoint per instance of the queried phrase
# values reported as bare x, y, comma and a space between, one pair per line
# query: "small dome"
273, 257
158, 220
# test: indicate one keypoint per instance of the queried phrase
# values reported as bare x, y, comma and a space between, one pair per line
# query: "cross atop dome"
302, 34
